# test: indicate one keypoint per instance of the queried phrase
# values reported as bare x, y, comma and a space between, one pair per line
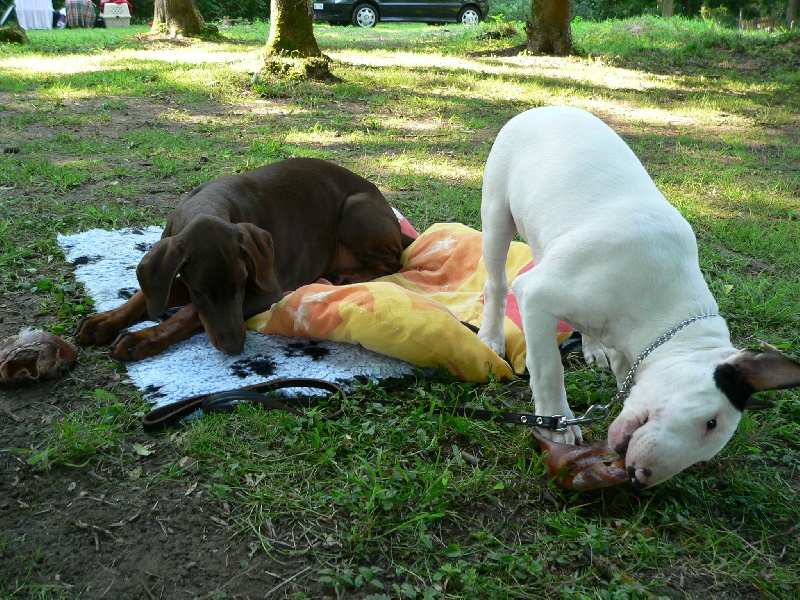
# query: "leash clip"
595, 412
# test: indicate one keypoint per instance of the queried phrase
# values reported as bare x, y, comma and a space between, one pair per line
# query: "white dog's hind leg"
543, 358
498, 231
594, 353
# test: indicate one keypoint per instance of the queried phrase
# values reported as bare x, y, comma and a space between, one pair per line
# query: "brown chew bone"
34, 355
582, 468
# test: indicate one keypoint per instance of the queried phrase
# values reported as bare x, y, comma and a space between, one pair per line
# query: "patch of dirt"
111, 529
97, 533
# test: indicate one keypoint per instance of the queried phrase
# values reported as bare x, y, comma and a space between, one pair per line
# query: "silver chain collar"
600, 411
627, 383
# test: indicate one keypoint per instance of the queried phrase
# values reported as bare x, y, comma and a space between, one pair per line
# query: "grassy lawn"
106, 128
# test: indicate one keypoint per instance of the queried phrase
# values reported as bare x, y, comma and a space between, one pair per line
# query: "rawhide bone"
582, 468
33, 355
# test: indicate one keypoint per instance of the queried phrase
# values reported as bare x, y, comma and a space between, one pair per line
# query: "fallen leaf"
141, 450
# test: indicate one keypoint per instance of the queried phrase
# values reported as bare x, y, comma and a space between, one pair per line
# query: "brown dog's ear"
156, 271
259, 253
766, 370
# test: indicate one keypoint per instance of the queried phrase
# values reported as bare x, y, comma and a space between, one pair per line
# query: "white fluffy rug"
105, 262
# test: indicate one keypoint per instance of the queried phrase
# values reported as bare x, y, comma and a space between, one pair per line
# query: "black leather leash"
161, 418
166, 416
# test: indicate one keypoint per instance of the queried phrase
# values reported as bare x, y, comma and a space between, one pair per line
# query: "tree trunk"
13, 34
791, 12
292, 49
549, 30
668, 9
179, 17
291, 29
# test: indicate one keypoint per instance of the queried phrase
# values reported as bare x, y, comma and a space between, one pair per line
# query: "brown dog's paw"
137, 345
95, 329
34, 355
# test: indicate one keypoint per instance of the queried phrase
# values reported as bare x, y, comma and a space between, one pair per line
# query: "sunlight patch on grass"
44, 65
268, 107
653, 116
196, 55
215, 75
421, 164
419, 127
321, 136
522, 65
534, 81
82, 63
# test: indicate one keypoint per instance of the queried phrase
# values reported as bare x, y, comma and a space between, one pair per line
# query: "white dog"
616, 261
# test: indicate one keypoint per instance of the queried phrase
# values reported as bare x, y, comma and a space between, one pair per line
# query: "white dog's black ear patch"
753, 371
733, 384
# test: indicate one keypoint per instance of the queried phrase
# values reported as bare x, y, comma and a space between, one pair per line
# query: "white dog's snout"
639, 477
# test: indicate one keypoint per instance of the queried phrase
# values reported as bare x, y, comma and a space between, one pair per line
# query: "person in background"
80, 13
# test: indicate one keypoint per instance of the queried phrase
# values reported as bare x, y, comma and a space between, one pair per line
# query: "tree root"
295, 67
13, 35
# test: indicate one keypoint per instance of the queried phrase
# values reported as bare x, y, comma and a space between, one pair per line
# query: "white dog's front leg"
495, 295
543, 358
620, 365
498, 232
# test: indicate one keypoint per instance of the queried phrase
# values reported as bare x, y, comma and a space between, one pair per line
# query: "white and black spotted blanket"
105, 262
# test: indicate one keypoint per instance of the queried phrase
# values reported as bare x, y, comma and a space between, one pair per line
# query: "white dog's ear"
767, 370
751, 371
754, 403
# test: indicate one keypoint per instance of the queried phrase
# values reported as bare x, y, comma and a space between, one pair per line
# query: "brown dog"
235, 244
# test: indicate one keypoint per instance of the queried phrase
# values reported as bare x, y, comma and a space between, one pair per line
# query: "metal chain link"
627, 383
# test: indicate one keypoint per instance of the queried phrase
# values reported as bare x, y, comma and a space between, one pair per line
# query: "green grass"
383, 501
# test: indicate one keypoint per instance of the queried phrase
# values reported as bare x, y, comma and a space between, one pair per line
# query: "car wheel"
469, 16
365, 15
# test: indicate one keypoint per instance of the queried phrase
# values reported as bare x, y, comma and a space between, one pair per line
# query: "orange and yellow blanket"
417, 314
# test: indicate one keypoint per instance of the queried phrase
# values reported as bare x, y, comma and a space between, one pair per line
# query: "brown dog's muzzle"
225, 327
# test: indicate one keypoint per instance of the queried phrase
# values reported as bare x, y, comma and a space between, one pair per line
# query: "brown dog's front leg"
138, 345
102, 327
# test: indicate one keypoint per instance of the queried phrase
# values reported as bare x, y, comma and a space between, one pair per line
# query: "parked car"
367, 13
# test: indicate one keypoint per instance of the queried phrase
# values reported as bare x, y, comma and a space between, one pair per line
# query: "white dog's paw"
495, 342
594, 353
572, 435
596, 357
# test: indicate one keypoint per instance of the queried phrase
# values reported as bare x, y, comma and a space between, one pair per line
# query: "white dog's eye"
711, 424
